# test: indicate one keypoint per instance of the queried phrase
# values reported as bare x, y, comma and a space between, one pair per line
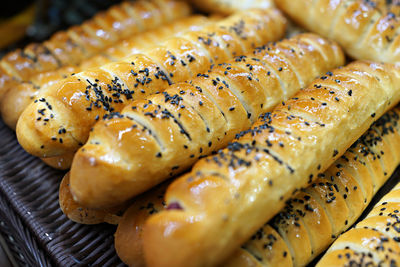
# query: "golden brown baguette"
308, 223
374, 241
289, 238
18, 98
158, 137
80, 214
59, 122
230, 6
79, 42
228, 196
365, 29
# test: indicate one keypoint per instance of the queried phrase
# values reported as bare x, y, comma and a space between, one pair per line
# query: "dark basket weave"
41, 233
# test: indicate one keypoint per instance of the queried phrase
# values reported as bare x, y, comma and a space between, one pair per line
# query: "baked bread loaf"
365, 29
130, 152
60, 120
312, 219
79, 42
128, 237
18, 98
373, 241
80, 214
226, 197
309, 221
230, 6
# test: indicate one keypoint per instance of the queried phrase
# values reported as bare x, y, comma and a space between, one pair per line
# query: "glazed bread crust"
316, 216
365, 29
373, 241
163, 135
228, 6
128, 237
79, 42
310, 220
69, 110
80, 214
18, 98
218, 204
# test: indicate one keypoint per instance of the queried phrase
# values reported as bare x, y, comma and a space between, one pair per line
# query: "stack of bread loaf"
224, 139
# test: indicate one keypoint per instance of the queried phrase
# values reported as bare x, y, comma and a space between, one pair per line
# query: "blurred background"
26, 21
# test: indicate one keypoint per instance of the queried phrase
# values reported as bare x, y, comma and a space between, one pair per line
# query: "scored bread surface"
374, 241
158, 137
310, 220
60, 121
365, 29
218, 205
18, 98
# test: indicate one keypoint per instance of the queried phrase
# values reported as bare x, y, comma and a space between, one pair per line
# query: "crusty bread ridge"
68, 111
266, 165
132, 151
17, 99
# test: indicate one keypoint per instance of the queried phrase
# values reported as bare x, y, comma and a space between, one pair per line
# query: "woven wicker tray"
41, 235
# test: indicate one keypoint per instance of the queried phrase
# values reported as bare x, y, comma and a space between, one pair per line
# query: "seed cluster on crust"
191, 120
284, 152
374, 240
331, 185
110, 88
